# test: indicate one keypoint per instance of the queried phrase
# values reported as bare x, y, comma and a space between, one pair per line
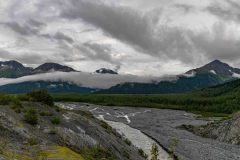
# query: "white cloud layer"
100, 81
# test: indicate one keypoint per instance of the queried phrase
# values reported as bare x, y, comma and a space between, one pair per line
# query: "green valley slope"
223, 98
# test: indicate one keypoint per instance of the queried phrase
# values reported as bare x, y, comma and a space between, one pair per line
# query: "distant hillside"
211, 74
223, 99
13, 69
52, 87
226, 89
183, 84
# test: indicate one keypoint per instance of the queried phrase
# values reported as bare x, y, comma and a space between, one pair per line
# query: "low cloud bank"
100, 81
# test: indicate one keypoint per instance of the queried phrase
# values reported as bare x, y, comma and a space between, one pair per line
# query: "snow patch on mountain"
213, 71
3, 65
52, 86
105, 71
235, 75
190, 74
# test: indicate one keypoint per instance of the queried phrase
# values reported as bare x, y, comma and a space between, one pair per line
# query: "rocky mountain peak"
11, 64
216, 64
105, 71
216, 67
13, 69
48, 67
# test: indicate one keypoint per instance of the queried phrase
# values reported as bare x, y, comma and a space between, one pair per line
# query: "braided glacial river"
139, 124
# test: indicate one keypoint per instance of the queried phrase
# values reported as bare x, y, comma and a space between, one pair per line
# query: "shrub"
52, 131
45, 114
96, 153
31, 117
154, 152
16, 106
3, 145
4, 99
108, 128
128, 142
142, 154
173, 146
41, 96
32, 141
126, 154
57, 109
56, 121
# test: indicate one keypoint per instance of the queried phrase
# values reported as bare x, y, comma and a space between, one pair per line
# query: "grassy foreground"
55, 152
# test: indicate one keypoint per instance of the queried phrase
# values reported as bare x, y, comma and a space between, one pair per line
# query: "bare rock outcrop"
225, 131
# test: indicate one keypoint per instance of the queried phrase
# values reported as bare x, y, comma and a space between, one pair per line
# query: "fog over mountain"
102, 81
155, 37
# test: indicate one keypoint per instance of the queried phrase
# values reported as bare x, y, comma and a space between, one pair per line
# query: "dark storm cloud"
142, 32
119, 22
219, 46
22, 29
59, 36
136, 29
184, 7
62, 36
35, 23
33, 27
232, 12
28, 58
96, 51
28, 28
234, 4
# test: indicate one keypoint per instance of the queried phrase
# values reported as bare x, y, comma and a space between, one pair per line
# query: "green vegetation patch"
56, 121
108, 128
191, 102
55, 152
63, 153
31, 117
96, 153
38, 96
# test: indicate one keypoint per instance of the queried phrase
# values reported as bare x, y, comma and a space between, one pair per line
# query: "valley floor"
163, 126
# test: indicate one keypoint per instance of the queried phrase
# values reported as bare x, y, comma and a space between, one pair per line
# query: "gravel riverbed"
162, 126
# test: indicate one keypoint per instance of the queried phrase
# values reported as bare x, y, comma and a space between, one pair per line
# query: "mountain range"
14, 69
52, 87
211, 74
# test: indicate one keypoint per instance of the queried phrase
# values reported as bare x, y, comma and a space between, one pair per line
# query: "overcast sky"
142, 37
